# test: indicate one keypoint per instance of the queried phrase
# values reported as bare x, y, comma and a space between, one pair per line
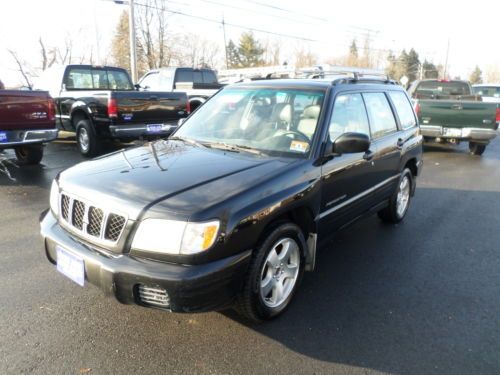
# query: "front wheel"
400, 200
274, 274
29, 155
476, 148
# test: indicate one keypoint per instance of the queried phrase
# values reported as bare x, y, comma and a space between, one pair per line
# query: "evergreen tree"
250, 51
412, 66
430, 70
120, 48
476, 76
352, 59
233, 57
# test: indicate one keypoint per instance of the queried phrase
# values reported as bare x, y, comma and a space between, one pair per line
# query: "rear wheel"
274, 274
400, 201
476, 148
87, 141
29, 155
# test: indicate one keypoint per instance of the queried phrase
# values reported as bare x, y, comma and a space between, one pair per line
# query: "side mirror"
351, 143
137, 86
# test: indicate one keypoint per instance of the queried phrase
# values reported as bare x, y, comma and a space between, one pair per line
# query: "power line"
227, 23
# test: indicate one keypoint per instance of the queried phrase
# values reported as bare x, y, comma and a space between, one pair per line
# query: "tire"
267, 291
86, 139
400, 200
29, 155
476, 148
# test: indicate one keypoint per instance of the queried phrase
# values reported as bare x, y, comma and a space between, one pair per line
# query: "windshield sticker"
299, 146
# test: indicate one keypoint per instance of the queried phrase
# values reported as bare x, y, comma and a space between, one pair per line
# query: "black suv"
230, 209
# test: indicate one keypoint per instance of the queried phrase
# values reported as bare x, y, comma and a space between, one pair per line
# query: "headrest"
282, 112
311, 111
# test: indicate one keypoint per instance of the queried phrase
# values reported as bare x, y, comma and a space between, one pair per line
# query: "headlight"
175, 237
54, 198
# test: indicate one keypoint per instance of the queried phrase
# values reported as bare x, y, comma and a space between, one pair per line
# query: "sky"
326, 28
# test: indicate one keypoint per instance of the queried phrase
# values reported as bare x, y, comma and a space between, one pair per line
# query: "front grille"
90, 220
114, 227
153, 296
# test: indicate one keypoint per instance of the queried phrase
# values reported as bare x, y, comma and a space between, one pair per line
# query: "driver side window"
349, 115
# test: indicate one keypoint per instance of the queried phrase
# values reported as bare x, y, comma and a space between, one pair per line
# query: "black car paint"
246, 192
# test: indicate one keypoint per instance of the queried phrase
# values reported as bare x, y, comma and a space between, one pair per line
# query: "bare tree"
49, 56
21, 65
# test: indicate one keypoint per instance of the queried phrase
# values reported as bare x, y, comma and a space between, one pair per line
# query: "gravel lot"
422, 297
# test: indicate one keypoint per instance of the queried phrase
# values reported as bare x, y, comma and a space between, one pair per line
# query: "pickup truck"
231, 208
488, 92
198, 84
449, 111
100, 102
27, 121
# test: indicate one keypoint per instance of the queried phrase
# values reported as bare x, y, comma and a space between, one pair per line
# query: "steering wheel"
300, 135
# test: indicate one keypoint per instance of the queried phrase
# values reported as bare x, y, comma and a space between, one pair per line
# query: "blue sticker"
3, 137
128, 116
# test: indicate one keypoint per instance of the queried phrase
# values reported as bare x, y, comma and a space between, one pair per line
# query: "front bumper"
476, 134
190, 288
140, 130
23, 137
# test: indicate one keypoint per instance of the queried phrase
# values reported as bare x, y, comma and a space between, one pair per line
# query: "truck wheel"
476, 148
87, 142
29, 155
400, 200
274, 274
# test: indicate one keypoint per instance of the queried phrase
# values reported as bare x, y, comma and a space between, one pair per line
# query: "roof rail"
352, 76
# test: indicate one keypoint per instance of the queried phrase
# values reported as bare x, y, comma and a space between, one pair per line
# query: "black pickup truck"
101, 102
230, 209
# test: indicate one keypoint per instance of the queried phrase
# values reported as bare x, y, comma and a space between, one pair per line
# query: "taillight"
51, 109
417, 108
498, 115
112, 108
188, 107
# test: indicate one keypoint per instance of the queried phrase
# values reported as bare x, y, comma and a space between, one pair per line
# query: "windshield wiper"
188, 140
234, 147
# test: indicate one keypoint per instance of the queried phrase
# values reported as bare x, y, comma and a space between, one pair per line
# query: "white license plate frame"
70, 265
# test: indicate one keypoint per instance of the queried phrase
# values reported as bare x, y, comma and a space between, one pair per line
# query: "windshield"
280, 121
443, 88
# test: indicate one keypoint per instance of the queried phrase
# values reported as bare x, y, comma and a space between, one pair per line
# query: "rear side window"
197, 77
184, 75
349, 115
79, 78
403, 108
382, 121
119, 80
209, 77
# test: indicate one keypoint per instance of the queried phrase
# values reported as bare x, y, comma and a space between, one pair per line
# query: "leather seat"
281, 115
309, 120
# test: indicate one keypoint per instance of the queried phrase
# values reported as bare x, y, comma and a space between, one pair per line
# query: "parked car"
27, 121
100, 102
229, 211
488, 92
449, 111
198, 84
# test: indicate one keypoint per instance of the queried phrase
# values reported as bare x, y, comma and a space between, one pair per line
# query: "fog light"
153, 296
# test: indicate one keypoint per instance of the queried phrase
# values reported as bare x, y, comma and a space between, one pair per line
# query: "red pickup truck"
27, 120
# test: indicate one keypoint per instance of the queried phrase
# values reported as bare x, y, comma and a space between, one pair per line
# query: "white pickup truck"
198, 84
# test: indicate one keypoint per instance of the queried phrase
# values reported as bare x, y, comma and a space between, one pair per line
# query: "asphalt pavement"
422, 297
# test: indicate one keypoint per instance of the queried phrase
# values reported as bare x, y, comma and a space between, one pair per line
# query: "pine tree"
250, 51
120, 50
233, 57
352, 59
476, 76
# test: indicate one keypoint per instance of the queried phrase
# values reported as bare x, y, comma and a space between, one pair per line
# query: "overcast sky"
426, 25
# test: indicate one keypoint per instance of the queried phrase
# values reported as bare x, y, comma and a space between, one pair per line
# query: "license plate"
450, 132
154, 128
3, 137
70, 266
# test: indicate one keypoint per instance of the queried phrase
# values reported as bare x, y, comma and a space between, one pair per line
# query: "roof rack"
359, 77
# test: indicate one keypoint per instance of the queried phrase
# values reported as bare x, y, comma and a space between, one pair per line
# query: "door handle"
400, 143
368, 155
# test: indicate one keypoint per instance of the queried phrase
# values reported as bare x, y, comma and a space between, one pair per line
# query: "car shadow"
414, 298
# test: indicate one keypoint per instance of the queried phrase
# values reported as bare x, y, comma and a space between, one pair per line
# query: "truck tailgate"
25, 110
457, 113
147, 107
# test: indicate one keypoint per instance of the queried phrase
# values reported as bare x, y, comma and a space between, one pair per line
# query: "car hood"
131, 180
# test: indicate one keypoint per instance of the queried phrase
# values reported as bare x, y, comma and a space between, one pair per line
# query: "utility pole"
225, 43
446, 61
133, 55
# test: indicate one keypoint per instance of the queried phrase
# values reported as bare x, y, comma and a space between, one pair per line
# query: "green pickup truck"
449, 111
